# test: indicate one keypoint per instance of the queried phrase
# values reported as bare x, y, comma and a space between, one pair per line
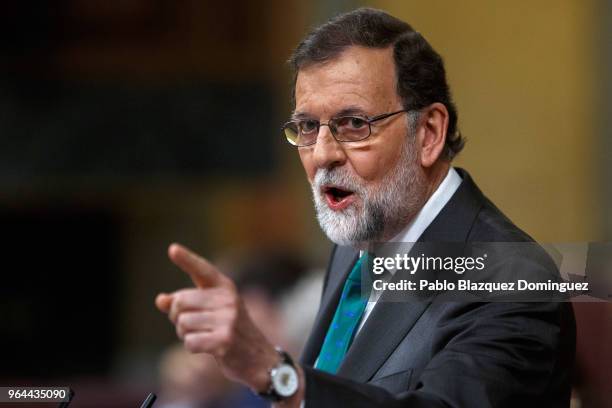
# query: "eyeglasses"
304, 132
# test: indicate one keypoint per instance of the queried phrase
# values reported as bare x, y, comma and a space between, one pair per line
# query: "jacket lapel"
387, 325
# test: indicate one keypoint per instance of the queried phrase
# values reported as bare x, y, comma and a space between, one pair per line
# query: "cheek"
367, 166
374, 164
307, 163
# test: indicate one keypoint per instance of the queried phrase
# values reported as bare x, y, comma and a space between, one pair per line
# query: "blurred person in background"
376, 132
299, 310
194, 381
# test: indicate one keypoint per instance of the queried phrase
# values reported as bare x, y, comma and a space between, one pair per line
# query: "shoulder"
492, 225
489, 224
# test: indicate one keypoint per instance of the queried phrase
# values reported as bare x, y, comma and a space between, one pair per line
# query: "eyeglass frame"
333, 129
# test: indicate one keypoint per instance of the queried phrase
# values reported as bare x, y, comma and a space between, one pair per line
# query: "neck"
435, 176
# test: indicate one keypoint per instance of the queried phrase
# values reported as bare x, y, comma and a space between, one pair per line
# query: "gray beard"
381, 211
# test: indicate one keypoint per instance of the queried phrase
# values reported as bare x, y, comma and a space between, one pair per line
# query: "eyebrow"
300, 115
348, 111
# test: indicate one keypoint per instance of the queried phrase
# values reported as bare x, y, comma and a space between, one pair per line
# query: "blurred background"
127, 125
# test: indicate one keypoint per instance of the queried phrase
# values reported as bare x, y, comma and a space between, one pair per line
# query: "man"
376, 131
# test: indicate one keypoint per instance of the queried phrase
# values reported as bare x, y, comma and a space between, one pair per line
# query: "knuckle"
181, 320
232, 300
179, 301
225, 337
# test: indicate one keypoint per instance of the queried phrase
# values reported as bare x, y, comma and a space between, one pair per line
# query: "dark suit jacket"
448, 354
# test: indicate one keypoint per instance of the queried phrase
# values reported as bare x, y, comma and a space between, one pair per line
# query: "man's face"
363, 191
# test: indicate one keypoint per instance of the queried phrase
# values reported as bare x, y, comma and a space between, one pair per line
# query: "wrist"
261, 380
283, 379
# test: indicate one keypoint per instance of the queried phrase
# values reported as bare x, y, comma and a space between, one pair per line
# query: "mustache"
337, 177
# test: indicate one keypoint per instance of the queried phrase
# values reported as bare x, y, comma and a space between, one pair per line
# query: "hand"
211, 318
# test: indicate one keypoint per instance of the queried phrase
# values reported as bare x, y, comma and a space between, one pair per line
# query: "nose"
328, 152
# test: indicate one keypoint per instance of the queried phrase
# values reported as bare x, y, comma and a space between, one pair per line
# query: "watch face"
285, 380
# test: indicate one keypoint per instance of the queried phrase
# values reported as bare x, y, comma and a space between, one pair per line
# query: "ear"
432, 133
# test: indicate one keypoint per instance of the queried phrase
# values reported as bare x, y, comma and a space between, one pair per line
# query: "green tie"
343, 325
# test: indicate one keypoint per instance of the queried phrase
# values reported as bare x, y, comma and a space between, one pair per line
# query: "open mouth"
338, 198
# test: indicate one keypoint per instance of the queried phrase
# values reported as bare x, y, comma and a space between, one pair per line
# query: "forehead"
359, 77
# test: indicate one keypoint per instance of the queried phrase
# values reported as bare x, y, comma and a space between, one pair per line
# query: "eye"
351, 123
308, 126
357, 123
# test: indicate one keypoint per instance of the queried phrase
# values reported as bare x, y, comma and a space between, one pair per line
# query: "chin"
345, 229
343, 241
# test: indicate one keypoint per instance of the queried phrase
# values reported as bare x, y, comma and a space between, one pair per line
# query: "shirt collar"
412, 232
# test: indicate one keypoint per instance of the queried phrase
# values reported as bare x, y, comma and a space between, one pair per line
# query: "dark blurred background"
128, 125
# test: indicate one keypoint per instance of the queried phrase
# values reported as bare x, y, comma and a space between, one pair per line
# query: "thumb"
202, 273
163, 301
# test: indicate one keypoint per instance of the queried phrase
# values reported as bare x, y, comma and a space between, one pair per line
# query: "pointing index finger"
202, 273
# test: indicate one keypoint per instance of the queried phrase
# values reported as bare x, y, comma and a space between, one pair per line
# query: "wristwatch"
284, 380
